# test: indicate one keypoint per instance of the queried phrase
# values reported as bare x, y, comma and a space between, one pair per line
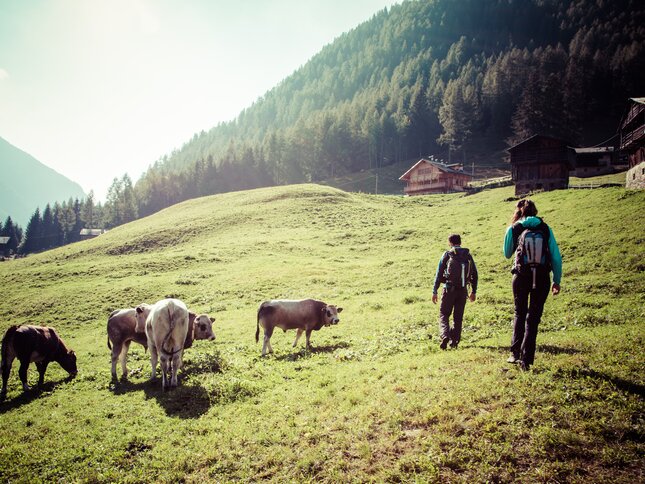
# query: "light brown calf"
304, 315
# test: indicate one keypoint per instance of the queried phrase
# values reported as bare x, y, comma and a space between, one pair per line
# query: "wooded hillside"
419, 78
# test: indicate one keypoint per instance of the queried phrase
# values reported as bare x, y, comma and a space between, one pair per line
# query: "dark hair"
454, 239
524, 208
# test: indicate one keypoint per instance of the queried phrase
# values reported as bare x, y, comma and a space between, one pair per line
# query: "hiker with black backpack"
536, 256
456, 270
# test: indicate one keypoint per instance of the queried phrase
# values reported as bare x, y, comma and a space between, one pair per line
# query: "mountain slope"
376, 400
420, 78
27, 184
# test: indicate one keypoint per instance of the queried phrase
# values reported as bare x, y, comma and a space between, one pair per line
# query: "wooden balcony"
635, 136
431, 187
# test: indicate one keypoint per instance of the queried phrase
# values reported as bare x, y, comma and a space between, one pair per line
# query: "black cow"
33, 343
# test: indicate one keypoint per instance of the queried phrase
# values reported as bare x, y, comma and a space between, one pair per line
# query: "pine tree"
31, 241
127, 200
88, 216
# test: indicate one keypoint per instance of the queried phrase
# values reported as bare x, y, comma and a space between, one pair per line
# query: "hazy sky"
99, 88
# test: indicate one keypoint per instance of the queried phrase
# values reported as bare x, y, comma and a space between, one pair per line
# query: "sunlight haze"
98, 89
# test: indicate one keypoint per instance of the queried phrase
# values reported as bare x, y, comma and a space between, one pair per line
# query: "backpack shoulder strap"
517, 229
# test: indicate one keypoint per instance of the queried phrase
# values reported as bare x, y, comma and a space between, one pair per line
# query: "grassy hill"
376, 399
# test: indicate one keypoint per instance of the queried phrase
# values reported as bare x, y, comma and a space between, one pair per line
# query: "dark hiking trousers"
452, 301
529, 304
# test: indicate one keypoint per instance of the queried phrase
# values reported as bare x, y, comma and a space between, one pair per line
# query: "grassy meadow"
376, 399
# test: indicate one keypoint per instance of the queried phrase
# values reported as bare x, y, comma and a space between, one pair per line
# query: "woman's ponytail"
524, 208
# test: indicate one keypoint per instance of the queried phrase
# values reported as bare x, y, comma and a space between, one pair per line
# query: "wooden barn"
632, 142
541, 163
600, 160
4, 246
91, 233
430, 176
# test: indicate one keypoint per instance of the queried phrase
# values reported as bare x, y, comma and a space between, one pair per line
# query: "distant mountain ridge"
27, 184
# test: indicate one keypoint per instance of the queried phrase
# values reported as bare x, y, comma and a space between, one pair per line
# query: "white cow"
166, 327
122, 330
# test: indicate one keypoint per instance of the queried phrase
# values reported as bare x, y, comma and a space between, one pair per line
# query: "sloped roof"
597, 149
536, 136
91, 231
639, 100
441, 166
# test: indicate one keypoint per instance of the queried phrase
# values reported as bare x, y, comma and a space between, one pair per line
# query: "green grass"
599, 180
375, 400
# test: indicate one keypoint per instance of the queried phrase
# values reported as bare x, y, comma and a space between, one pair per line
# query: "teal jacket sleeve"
508, 243
556, 258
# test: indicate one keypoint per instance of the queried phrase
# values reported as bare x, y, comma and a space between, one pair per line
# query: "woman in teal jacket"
530, 286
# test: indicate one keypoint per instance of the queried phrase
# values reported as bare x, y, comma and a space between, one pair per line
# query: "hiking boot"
444, 343
524, 366
513, 359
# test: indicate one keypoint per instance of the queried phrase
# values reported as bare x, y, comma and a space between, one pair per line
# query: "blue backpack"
532, 249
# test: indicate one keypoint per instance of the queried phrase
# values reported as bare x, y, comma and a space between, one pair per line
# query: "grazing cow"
121, 330
304, 315
166, 329
33, 343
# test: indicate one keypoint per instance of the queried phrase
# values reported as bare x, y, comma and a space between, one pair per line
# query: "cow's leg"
153, 361
22, 373
116, 351
298, 335
308, 335
42, 368
176, 364
165, 367
267, 341
6, 370
124, 359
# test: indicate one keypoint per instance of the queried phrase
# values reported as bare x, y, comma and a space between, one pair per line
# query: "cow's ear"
139, 310
339, 310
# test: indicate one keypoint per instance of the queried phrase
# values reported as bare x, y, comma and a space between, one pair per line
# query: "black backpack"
458, 270
532, 251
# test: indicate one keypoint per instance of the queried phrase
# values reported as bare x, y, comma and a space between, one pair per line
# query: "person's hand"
472, 297
555, 289
434, 299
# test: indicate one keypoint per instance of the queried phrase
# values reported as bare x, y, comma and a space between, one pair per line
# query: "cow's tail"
171, 327
6, 341
257, 327
264, 309
108, 337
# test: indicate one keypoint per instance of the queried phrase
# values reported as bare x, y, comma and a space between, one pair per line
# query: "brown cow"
121, 331
33, 343
304, 315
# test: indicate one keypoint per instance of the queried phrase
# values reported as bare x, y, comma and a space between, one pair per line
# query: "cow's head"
143, 310
203, 327
330, 315
68, 362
